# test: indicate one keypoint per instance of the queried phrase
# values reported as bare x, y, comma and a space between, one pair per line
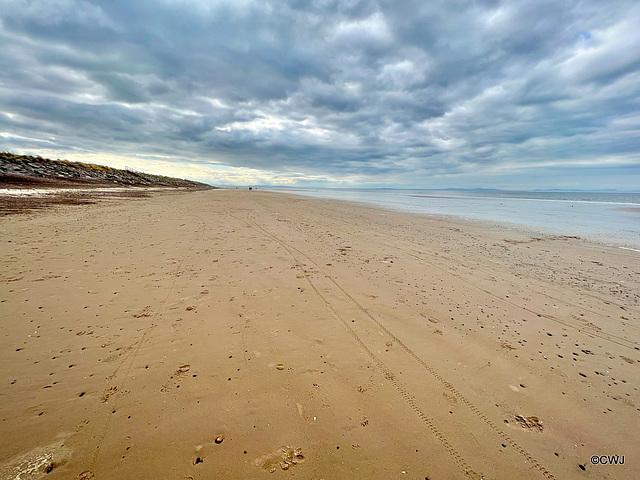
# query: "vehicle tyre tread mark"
448, 386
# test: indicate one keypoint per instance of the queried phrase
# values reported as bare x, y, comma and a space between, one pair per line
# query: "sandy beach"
250, 335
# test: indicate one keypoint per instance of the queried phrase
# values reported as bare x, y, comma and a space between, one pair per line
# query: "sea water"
608, 217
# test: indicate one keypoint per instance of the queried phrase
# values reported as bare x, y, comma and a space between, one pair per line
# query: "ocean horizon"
607, 217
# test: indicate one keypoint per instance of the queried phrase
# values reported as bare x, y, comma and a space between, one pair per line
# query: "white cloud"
607, 52
371, 31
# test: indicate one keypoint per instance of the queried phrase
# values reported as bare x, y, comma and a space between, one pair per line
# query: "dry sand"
316, 339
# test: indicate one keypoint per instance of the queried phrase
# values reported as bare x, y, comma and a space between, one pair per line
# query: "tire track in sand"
623, 342
410, 399
459, 461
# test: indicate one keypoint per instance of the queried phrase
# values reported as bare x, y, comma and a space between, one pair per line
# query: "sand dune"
236, 334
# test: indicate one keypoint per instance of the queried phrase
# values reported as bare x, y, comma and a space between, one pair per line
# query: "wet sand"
236, 334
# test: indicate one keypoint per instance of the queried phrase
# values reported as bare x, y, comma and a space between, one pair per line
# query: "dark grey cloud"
405, 93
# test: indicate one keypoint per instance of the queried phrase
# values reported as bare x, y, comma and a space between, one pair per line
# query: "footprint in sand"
529, 423
181, 372
86, 475
111, 391
145, 312
283, 458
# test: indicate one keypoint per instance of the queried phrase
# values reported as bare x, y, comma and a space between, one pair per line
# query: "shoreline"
312, 337
597, 239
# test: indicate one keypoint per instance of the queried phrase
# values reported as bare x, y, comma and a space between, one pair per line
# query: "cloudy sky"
498, 94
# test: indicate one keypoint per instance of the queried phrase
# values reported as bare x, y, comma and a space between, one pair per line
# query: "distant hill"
18, 171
